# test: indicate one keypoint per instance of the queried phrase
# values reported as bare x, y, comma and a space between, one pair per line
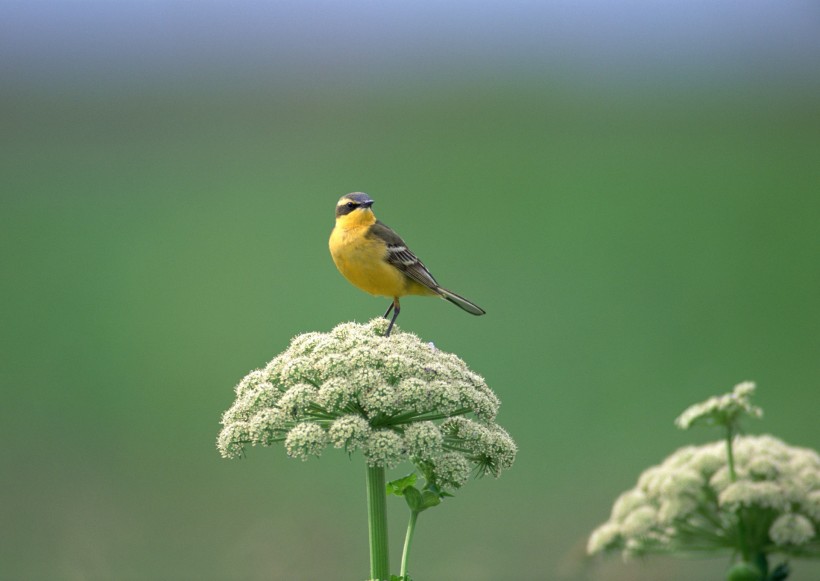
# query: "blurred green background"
642, 234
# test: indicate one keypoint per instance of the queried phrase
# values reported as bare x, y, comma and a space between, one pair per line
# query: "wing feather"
400, 256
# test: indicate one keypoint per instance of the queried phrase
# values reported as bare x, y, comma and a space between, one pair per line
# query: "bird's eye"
351, 205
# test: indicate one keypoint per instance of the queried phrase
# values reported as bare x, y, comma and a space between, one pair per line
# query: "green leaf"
429, 499
397, 487
780, 572
433, 487
744, 571
414, 498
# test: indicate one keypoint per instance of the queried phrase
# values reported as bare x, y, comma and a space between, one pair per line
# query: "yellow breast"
362, 261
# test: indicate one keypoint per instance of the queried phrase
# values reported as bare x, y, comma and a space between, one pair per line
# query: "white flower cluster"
721, 410
689, 502
355, 389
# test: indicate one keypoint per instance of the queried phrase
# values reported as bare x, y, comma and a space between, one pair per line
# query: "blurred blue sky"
754, 40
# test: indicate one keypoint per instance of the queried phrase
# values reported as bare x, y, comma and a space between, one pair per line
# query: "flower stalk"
377, 524
408, 539
730, 465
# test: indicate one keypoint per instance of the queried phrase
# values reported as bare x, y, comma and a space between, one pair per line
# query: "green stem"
741, 528
411, 528
377, 524
730, 454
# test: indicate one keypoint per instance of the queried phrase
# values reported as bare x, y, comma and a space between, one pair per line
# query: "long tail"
471, 308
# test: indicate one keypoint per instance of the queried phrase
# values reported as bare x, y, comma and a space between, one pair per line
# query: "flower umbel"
687, 503
750, 496
722, 410
394, 398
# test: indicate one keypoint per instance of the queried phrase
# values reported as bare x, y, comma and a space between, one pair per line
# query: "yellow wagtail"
375, 259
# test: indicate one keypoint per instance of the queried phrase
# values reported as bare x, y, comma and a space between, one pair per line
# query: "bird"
371, 256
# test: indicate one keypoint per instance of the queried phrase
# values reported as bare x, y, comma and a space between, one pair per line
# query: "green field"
636, 252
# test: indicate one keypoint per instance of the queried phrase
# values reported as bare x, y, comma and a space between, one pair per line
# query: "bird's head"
354, 209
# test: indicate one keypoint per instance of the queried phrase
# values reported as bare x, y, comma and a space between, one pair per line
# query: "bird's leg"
390, 308
396, 310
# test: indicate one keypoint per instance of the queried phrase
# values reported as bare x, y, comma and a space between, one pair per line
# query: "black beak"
367, 204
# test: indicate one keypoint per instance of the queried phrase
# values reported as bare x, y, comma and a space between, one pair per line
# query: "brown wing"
402, 257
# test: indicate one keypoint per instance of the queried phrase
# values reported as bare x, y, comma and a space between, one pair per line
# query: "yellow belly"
362, 261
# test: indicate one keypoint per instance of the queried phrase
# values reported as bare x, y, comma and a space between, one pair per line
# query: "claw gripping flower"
392, 398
